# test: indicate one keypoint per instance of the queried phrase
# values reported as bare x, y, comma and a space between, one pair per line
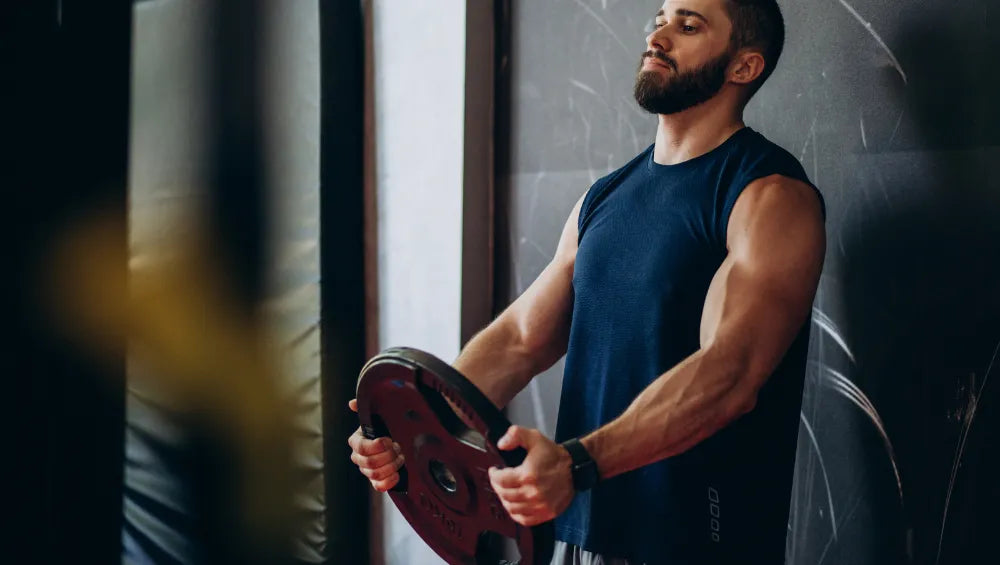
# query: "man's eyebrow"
683, 12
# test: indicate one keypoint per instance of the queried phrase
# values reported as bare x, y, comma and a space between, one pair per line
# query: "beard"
678, 92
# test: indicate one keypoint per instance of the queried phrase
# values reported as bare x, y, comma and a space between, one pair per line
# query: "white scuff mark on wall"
871, 30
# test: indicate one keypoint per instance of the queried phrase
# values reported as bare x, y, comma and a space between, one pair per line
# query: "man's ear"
747, 67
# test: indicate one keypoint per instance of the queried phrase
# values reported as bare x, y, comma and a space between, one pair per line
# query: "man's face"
687, 57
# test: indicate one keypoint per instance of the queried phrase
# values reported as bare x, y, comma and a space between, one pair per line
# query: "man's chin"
656, 74
651, 83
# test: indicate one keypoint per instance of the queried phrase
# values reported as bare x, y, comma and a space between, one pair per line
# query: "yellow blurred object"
210, 357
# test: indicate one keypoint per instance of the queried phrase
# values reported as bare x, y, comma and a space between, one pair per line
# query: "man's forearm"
679, 409
498, 362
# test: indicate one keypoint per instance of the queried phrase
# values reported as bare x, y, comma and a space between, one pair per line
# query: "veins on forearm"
678, 410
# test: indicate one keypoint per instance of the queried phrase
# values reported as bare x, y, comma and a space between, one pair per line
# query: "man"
680, 293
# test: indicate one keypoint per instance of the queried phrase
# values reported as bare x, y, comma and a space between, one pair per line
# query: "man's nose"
659, 40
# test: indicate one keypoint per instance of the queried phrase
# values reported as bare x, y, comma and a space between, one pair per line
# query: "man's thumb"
515, 437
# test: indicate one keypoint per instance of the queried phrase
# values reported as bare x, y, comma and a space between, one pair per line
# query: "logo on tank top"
713, 513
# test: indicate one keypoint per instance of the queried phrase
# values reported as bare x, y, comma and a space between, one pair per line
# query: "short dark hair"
757, 24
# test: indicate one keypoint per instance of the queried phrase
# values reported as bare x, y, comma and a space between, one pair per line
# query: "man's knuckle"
383, 485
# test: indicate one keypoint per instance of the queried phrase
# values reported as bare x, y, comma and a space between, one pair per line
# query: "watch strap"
584, 468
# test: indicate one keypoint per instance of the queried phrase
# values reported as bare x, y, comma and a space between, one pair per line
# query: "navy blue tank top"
651, 238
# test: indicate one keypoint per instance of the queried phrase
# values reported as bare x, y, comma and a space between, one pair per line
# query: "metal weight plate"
444, 489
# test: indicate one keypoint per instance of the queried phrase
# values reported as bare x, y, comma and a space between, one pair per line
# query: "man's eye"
689, 29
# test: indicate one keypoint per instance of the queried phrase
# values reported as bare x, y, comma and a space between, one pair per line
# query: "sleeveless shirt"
651, 238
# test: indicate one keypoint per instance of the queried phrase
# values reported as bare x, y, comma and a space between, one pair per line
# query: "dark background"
892, 110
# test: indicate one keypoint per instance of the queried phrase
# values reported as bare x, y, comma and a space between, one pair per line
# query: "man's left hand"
541, 487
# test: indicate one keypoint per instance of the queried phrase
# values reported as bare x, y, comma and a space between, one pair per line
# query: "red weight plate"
444, 491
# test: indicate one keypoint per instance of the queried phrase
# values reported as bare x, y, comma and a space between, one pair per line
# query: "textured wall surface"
891, 109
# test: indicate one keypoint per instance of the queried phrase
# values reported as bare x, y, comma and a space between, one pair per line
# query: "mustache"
661, 56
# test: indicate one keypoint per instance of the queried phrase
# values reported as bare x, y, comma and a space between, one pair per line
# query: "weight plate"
444, 490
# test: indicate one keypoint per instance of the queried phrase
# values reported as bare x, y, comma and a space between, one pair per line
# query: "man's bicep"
764, 290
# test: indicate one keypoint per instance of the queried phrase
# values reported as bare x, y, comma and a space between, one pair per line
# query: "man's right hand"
378, 459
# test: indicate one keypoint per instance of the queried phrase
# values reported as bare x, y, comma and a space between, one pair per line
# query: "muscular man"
680, 293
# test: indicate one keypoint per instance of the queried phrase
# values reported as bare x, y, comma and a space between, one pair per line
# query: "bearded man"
680, 294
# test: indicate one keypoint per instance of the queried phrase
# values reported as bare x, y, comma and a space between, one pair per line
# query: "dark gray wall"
892, 110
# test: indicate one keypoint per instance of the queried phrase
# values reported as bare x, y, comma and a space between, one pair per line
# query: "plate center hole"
443, 476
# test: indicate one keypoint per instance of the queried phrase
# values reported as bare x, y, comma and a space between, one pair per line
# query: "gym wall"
891, 109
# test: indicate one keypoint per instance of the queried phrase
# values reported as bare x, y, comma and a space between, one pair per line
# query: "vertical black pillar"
238, 200
479, 171
342, 267
65, 104
502, 187
238, 221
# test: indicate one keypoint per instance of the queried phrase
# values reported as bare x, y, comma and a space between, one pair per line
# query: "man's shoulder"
763, 162
758, 145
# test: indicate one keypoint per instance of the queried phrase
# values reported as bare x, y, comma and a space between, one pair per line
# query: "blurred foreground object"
208, 365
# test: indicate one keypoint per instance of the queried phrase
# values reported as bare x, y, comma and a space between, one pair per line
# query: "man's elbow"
740, 401
526, 344
747, 376
743, 404
539, 349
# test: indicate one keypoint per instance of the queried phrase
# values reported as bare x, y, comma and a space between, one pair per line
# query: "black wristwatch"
584, 469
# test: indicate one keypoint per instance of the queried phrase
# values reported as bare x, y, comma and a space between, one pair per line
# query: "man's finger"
520, 494
385, 484
513, 438
508, 478
385, 471
524, 508
353, 404
364, 446
374, 461
353, 439
357, 440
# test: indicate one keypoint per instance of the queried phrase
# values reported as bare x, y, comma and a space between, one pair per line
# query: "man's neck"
695, 131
